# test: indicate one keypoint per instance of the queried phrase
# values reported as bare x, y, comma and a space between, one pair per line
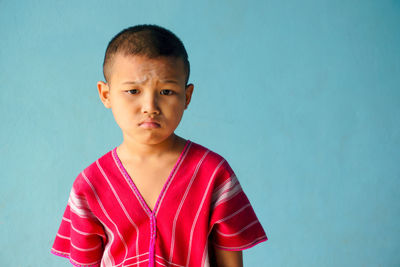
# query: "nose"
150, 104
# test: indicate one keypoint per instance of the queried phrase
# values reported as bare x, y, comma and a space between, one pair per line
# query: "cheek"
174, 115
177, 109
172, 105
124, 113
177, 116
119, 117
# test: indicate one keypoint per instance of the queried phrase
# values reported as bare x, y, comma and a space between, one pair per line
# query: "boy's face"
147, 96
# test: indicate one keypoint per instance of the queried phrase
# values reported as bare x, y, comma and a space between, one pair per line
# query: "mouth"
149, 124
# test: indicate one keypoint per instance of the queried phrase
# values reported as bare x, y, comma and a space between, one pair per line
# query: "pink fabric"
107, 223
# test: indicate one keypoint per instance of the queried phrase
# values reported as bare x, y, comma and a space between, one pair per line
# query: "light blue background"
301, 97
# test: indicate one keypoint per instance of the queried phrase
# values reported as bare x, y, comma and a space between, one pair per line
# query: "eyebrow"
169, 81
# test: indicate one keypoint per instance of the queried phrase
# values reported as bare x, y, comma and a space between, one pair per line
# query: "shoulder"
88, 175
210, 159
202, 151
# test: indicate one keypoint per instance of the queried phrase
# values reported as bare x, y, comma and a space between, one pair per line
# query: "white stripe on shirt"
241, 230
199, 209
181, 204
121, 204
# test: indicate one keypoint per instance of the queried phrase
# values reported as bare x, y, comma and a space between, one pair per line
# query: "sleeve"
234, 224
81, 236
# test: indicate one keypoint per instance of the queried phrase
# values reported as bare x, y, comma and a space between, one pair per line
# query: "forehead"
141, 68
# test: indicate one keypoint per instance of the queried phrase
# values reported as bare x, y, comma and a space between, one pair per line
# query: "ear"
188, 93
104, 93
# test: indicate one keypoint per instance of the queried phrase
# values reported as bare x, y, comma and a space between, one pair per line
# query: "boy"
157, 199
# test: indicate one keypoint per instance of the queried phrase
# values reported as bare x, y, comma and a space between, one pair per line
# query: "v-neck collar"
136, 191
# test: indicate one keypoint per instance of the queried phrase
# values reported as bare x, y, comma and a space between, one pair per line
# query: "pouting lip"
150, 121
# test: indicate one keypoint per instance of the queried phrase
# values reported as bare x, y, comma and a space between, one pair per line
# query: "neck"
132, 149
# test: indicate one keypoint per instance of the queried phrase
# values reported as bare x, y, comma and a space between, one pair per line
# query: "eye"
133, 91
166, 92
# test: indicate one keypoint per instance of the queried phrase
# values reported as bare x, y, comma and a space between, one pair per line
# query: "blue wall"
301, 97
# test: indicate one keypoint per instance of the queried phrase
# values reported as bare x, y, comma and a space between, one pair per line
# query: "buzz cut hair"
147, 40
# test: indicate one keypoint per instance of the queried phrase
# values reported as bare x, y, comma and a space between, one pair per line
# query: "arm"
226, 258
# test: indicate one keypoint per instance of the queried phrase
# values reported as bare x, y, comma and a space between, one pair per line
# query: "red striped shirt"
107, 223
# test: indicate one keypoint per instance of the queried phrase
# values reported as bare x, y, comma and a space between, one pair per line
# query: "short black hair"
146, 40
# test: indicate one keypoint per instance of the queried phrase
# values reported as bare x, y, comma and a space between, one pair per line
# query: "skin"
148, 98
225, 258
